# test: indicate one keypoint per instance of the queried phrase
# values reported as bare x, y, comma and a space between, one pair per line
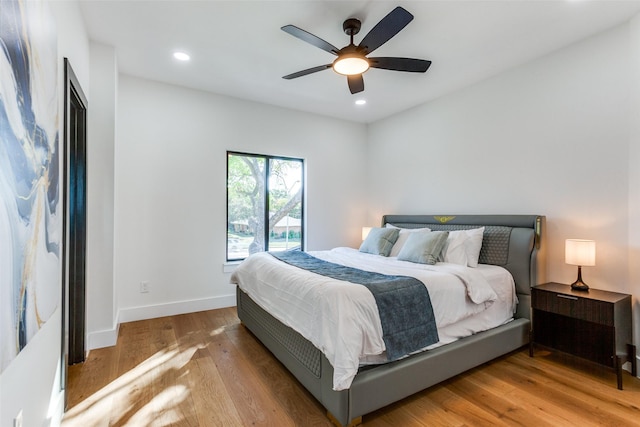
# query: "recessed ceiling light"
181, 56
361, 102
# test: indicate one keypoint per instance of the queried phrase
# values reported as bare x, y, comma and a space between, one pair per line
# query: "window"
265, 199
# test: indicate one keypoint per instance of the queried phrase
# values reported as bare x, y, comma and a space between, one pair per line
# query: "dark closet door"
74, 224
77, 231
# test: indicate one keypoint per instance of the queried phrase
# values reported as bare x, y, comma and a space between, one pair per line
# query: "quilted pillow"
380, 241
423, 248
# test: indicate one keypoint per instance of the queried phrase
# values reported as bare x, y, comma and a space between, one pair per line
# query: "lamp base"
579, 285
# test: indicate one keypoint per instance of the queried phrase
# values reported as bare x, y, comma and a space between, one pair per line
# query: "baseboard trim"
105, 338
109, 337
170, 309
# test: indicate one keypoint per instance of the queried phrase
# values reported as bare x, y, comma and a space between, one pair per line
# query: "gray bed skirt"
512, 241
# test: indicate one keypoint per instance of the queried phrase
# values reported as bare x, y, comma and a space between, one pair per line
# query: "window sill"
230, 266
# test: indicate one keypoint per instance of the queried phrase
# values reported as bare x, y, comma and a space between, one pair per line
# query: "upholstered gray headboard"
514, 242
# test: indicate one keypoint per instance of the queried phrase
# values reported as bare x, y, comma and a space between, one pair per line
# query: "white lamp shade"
580, 252
365, 232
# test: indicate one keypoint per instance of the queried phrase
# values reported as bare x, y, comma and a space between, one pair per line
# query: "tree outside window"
264, 204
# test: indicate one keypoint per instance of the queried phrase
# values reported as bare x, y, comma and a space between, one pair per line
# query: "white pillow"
463, 247
454, 249
403, 236
473, 245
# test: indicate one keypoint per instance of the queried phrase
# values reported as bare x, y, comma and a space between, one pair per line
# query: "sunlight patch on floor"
160, 410
217, 331
135, 410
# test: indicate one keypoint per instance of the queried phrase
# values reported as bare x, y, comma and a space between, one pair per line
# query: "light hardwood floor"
206, 369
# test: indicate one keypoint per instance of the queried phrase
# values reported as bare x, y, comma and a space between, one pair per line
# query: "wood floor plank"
563, 392
415, 411
206, 369
428, 413
136, 348
620, 407
548, 412
484, 398
172, 401
87, 378
454, 404
212, 401
135, 367
298, 403
257, 402
421, 409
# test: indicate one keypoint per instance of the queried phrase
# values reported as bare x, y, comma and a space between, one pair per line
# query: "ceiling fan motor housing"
351, 26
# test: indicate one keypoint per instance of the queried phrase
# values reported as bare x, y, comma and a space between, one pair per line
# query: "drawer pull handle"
567, 297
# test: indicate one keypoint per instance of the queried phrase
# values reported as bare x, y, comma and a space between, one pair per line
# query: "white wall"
634, 172
170, 189
31, 382
101, 306
550, 137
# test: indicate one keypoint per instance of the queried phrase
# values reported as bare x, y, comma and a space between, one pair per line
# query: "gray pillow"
423, 248
380, 241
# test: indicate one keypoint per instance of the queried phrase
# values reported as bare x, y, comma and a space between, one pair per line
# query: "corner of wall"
104, 338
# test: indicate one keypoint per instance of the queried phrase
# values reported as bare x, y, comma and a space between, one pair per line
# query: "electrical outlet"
17, 421
144, 287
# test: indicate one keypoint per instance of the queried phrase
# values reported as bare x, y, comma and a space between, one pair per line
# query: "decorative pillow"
380, 241
403, 236
463, 247
423, 248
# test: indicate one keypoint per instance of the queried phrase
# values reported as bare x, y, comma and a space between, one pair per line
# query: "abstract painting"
30, 211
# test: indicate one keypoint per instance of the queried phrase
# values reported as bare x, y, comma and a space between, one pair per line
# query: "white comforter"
341, 319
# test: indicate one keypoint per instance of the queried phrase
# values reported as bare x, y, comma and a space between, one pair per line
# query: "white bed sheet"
341, 319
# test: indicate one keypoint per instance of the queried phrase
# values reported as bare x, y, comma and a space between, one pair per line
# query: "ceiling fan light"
350, 65
181, 56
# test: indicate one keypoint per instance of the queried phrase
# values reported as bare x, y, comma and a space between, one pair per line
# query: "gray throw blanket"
404, 305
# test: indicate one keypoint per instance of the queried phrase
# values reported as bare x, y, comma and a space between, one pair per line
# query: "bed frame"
514, 242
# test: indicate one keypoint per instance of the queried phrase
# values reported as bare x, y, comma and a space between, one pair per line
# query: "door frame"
73, 308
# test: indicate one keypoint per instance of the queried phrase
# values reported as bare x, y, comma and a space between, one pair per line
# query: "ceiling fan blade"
356, 83
384, 30
307, 71
400, 64
310, 38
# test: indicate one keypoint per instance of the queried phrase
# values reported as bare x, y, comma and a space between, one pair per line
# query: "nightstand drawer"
573, 306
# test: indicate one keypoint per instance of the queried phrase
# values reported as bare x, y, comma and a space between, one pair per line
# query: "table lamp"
365, 232
583, 254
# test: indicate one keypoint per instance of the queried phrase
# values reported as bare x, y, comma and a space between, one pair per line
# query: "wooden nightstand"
594, 325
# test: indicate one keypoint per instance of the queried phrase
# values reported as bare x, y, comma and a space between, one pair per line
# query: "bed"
513, 242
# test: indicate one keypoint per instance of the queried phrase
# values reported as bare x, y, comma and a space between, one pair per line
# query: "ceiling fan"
352, 60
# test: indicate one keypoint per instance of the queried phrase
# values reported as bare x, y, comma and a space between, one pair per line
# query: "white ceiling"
238, 49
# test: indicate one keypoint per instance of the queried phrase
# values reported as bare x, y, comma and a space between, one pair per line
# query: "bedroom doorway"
74, 223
